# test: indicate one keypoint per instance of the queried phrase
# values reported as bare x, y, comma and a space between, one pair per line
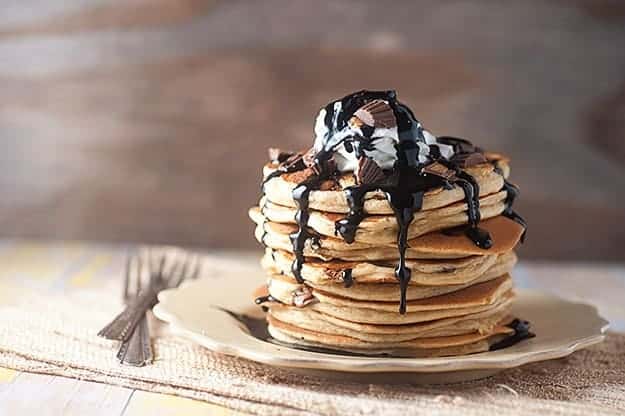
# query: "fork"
137, 350
131, 326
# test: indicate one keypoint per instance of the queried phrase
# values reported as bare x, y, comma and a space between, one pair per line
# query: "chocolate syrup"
272, 175
512, 192
264, 299
347, 226
404, 215
471, 189
406, 190
521, 332
348, 279
285, 166
404, 187
300, 195
265, 233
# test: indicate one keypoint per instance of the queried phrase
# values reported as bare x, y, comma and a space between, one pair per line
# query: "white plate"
197, 312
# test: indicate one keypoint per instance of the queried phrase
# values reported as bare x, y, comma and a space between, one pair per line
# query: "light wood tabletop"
60, 267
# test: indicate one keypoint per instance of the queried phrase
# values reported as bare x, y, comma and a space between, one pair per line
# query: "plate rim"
361, 364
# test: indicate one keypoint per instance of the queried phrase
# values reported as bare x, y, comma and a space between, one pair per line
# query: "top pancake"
331, 198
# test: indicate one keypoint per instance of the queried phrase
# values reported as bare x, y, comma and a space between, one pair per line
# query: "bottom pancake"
306, 318
427, 347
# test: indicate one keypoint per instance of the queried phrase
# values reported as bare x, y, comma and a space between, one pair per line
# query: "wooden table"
63, 266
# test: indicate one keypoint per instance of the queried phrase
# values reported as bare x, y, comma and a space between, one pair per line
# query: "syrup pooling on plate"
257, 327
521, 331
373, 135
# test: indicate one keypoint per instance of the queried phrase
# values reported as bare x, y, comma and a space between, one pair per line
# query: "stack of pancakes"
459, 295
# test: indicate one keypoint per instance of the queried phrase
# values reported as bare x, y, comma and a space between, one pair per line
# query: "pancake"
384, 292
433, 346
382, 229
385, 239
442, 272
480, 294
476, 295
279, 190
505, 234
315, 321
372, 316
476, 347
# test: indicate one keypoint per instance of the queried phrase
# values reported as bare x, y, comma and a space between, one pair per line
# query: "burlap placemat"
57, 335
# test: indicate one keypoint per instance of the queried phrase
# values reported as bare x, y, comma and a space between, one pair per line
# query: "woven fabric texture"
57, 335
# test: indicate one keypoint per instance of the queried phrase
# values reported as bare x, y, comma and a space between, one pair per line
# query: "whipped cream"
350, 142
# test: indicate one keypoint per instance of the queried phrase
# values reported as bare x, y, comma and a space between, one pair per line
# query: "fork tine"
139, 276
127, 272
198, 267
177, 280
176, 273
158, 276
153, 257
147, 256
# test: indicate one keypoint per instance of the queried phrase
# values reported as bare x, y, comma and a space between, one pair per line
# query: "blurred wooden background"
148, 120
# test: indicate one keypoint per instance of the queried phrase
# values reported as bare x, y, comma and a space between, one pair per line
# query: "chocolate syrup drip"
283, 168
470, 187
404, 214
512, 192
460, 146
406, 197
348, 279
521, 332
265, 234
265, 221
272, 175
263, 299
347, 226
301, 195
480, 237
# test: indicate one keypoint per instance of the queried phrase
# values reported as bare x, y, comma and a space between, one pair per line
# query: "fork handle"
137, 350
121, 328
